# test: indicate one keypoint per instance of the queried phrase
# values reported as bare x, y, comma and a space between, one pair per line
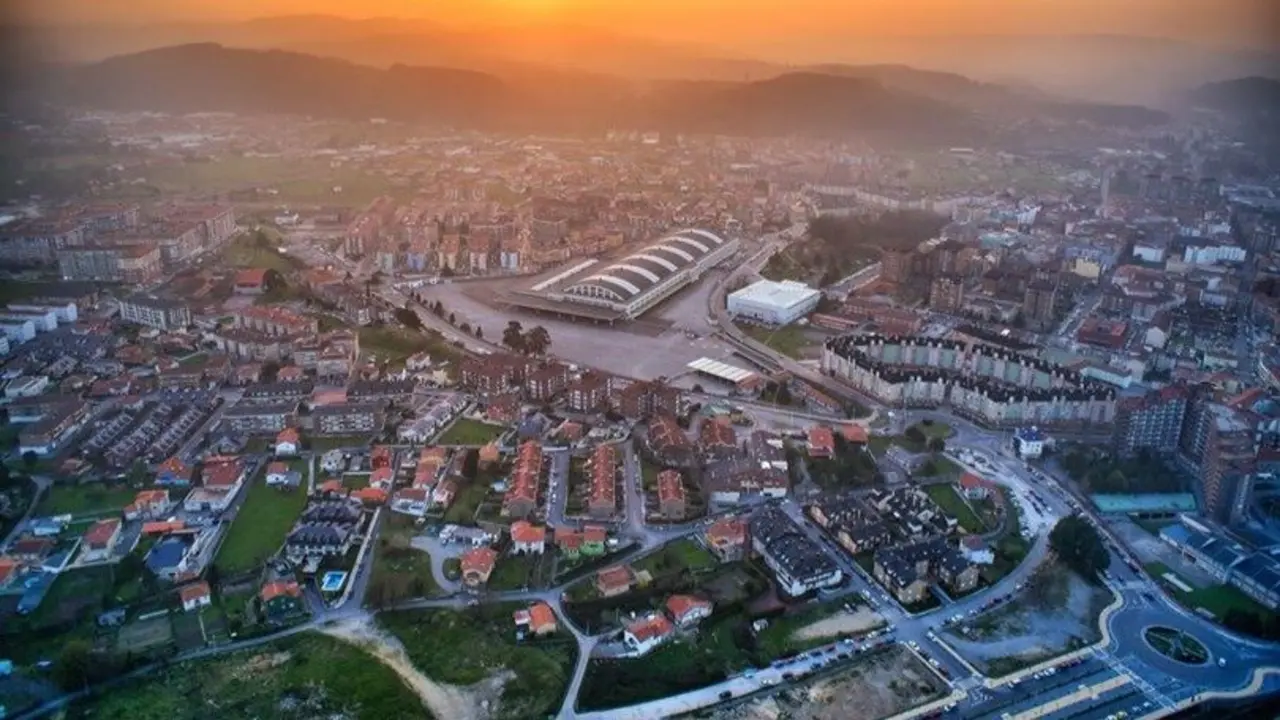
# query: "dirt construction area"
845, 623
888, 683
1057, 613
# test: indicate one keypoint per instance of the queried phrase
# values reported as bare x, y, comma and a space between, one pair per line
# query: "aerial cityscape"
553, 359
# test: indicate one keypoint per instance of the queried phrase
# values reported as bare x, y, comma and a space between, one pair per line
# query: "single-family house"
281, 599
647, 633
280, 475
148, 504
539, 619
613, 580
411, 501
727, 538
382, 478
527, 538
687, 610
288, 442
174, 473
477, 565
99, 539
195, 596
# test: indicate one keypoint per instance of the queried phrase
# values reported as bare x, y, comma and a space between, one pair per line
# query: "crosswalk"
1136, 676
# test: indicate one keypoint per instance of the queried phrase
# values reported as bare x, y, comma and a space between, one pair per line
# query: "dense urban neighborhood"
310, 416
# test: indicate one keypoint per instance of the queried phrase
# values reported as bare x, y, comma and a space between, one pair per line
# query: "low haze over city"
524, 359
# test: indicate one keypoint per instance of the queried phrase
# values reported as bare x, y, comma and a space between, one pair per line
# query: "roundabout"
1176, 645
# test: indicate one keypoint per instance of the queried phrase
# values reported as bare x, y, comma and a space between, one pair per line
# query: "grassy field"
394, 345
261, 525
789, 340
951, 503
463, 509
400, 571
463, 648
516, 572
677, 557
1217, 599
295, 179
308, 675
92, 498
470, 432
243, 252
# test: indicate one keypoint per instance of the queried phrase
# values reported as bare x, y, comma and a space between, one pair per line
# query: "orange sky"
1253, 23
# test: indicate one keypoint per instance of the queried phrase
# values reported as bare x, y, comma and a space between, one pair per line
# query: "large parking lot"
656, 346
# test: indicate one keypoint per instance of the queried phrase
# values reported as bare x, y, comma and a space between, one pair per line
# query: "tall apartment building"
1038, 304
154, 311
112, 263
895, 265
946, 294
36, 242
1150, 422
1219, 445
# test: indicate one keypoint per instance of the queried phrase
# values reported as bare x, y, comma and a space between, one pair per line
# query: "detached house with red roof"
727, 538
411, 501
976, 488
99, 540
477, 566
538, 620
647, 633
671, 495
288, 442
687, 610
174, 473
281, 600
613, 581
148, 504
252, 281
527, 538
822, 442
195, 596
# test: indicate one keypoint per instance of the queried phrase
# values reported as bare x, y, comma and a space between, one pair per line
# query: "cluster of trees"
1099, 472
849, 465
892, 230
535, 341
1078, 545
436, 308
917, 437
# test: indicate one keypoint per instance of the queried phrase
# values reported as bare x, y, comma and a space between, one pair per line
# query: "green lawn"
400, 571
470, 496
328, 677
934, 429
89, 498
954, 505
1217, 599
464, 648
261, 525
394, 345
676, 557
466, 431
321, 443
789, 340
516, 572
243, 252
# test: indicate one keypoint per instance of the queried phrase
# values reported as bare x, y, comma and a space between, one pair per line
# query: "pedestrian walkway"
1086, 694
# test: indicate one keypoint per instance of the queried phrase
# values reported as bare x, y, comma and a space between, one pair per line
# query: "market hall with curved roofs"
645, 278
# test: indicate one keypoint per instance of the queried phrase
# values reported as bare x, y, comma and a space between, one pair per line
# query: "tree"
269, 370
513, 336
697, 387
74, 665
408, 318
29, 458
438, 309
937, 445
465, 327
453, 319
537, 340
479, 333
915, 435
1078, 545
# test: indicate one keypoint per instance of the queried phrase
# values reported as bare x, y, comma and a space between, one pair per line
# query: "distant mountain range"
1243, 97
1098, 67
877, 103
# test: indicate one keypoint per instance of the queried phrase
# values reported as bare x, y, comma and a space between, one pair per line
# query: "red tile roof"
194, 592
614, 576
657, 626
287, 435
479, 560
525, 476
525, 532
670, 486
681, 605
252, 277
604, 473
273, 590
101, 532
541, 617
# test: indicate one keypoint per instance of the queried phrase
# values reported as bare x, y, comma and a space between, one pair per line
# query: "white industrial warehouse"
773, 303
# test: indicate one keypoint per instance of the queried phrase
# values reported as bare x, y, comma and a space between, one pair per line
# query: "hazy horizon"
765, 29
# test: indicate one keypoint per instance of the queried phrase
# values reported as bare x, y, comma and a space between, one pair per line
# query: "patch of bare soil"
476, 702
884, 685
